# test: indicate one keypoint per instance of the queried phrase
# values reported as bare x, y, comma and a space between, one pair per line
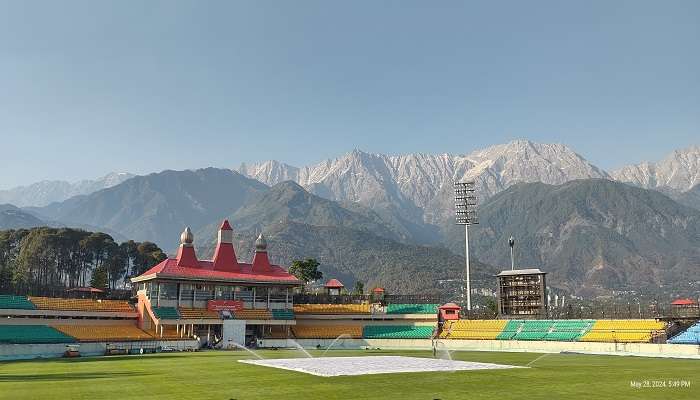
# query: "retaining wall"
30, 351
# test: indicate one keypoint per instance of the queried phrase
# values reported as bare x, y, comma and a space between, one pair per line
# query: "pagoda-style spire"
225, 255
185, 254
261, 263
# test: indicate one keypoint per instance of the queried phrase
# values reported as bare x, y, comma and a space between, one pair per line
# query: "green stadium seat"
32, 334
16, 302
397, 332
509, 330
166, 312
411, 308
569, 330
283, 314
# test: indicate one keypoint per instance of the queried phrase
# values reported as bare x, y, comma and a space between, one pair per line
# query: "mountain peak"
677, 172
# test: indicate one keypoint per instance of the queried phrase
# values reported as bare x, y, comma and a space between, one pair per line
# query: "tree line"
39, 260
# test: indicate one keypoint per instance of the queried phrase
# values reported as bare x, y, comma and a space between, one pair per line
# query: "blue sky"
92, 87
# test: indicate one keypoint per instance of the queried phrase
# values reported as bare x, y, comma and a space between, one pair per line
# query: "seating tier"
411, 308
326, 331
623, 330
87, 305
166, 313
39, 334
397, 332
197, 313
104, 333
252, 314
16, 302
332, 308
689, 336
509, 330
283, 314
472, 329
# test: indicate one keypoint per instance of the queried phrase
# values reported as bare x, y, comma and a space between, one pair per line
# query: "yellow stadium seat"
252, 314
87, 305
104, 333
332, 308
197, 313
624, 330
472, 329
326, 331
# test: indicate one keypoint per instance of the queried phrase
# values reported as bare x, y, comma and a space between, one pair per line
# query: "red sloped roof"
450, 306
378, 290
334, 284
225, 226
683, 302
205, 270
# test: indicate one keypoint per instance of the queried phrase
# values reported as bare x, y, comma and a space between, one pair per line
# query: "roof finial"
186, 238
261, 243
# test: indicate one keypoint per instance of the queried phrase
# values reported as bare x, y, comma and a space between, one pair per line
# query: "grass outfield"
218, 375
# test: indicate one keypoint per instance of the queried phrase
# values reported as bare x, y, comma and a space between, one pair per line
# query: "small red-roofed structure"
685, 308
333, 287
449, 312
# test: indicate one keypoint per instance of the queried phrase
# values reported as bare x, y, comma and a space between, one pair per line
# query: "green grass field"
218, 375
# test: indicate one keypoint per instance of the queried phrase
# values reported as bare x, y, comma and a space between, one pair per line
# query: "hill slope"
591, 235
12, 217
156, 207
42, 193
353, 255
691, 198
287, 201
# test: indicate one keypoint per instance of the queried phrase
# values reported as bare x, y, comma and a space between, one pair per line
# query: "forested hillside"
39, 260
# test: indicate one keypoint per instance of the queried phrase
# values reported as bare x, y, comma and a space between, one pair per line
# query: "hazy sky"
95, 86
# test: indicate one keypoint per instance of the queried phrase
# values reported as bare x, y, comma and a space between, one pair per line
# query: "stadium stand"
569, 330
169, 332
16, 302
411, 308
397, 332
87, 305
472, 329
40, 334
622, 330
276, 332
509, 330
283, 314
689, 336
326, 331
197, 313
166, 312
104, 333
252, 314
533, 330
332, 308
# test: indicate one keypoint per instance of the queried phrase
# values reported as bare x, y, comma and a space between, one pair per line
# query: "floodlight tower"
511, 243
465, 214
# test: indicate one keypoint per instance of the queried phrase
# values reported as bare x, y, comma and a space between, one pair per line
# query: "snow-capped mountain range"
419, 184
45, 192
424, 181
678, 172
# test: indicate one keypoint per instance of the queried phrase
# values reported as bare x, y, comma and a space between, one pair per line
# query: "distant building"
521, 294
333, 287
